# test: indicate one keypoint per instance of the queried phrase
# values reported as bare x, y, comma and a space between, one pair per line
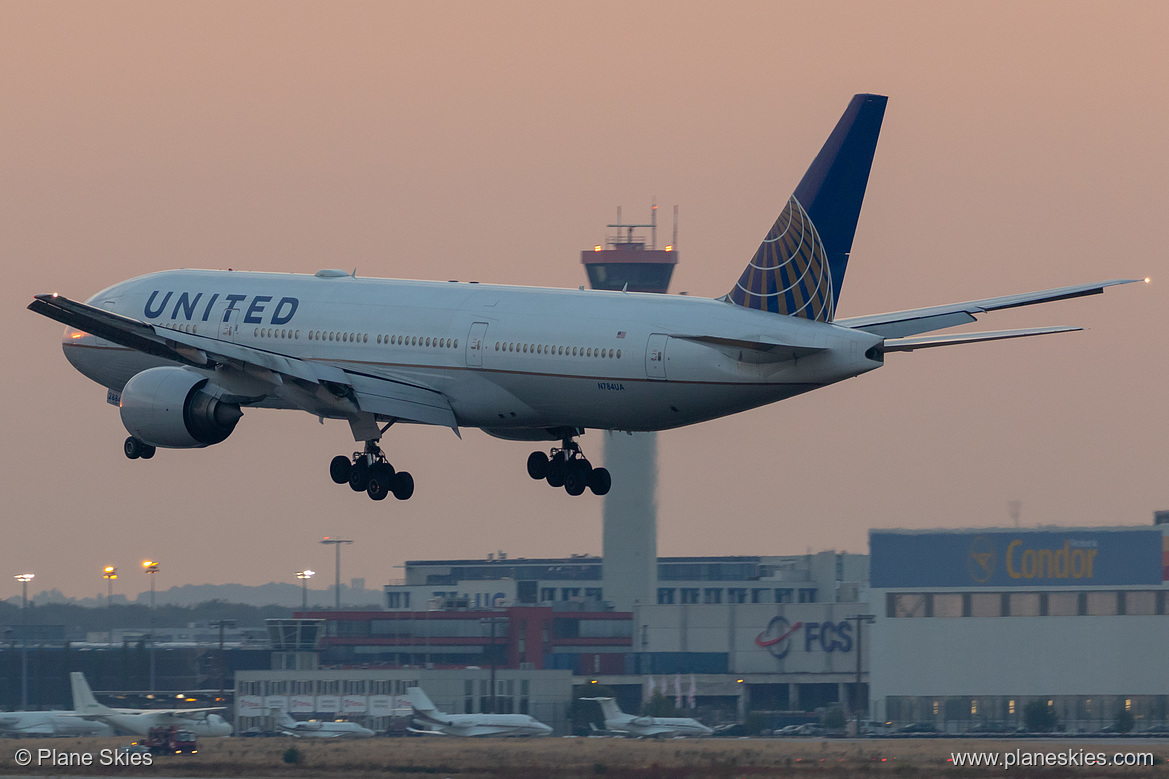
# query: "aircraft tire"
359, 476
575, 481
403, 485
339, 468
600, 482
133, 448
381, 480
147, 451
537, 465
557, 470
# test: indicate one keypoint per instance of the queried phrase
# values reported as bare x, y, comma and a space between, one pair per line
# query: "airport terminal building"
974, 624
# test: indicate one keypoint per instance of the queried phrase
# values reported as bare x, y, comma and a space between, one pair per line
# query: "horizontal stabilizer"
929, 342
765, 349
899, 324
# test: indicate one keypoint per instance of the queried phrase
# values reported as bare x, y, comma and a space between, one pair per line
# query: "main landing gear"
371, 473
566, 467
135, 449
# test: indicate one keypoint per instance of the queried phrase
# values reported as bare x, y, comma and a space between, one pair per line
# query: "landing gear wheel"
339, 468
147, 451
403, 485
600, 481
359, 475
557, 470
575, 481
381, 479
537, 465
133, 448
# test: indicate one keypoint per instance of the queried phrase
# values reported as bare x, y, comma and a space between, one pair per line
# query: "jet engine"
176, 408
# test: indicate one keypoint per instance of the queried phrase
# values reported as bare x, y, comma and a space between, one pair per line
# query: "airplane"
183, 352
317, 729
439, 723
203, 722
50, 723
617, 721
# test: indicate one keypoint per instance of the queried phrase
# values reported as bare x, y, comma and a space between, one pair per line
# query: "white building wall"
1020, 656
813, 638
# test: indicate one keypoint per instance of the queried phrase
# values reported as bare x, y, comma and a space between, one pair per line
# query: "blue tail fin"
799, 268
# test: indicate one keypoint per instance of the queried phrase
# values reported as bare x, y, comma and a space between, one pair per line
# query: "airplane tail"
83, 700
609, 708
283, 719
799, 268
421, 702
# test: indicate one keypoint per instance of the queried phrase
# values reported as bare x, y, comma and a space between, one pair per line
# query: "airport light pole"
24, 579
861, 619
109, 573
151, 568
304, 576
491, 650
336, 542
221, 624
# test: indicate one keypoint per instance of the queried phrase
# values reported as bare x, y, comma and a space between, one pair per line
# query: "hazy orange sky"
1023, 148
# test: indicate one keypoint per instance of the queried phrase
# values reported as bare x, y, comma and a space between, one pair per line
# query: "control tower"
627, 261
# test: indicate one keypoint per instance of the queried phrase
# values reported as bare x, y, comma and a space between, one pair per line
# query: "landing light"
1147, 280
670, 248
596, 248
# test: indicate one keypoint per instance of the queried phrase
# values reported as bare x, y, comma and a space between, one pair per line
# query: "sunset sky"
1024, 147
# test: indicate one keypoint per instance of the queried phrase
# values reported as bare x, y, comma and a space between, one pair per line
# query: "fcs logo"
980, 563
776, 637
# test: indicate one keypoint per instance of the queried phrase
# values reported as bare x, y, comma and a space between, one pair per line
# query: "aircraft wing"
317, 387
900, 324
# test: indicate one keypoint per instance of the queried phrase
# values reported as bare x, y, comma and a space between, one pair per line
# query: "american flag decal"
620, 333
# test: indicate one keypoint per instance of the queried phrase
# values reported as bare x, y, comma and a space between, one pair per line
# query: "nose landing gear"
135, 449
370, 472
567, 467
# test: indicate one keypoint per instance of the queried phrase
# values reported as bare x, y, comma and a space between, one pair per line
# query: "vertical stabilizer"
83, 700
610, 709
799, 268
421, 701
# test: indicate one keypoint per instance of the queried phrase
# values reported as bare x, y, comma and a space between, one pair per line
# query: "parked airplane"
50, 723
437, 723
139, 721
617, 721
316, 729
183, 352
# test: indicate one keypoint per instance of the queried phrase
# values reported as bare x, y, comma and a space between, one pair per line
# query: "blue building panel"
1016, 558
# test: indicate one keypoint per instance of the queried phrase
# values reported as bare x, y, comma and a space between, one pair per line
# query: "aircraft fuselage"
515, 361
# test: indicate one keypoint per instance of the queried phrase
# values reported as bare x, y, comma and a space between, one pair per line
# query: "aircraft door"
655, 356
229, 324
475, 343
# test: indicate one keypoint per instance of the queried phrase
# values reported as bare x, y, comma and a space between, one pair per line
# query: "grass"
576, 757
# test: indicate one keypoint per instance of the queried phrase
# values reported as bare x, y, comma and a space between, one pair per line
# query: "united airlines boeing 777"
183, 352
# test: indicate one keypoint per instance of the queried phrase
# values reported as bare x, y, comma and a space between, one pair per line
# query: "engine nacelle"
172, 407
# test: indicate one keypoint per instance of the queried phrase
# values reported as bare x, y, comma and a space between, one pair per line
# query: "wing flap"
402, 401
900, 324
929, 342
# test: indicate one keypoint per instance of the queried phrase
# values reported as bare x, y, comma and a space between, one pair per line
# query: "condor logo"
187, 306
1073, 560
